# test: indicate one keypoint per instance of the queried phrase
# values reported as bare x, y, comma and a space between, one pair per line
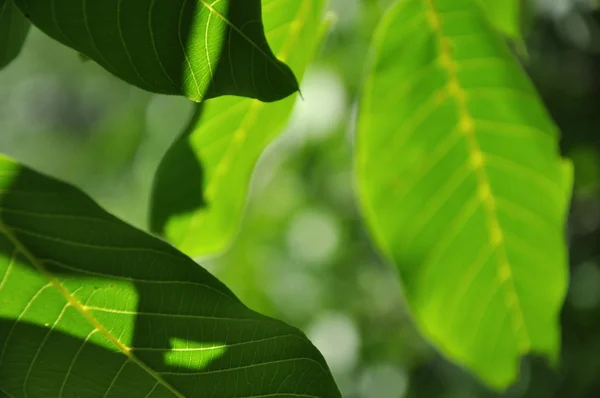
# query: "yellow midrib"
466, 126
240, 135
5, 230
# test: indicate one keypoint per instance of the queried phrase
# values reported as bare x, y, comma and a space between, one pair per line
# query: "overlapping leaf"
13, 31
202, 183
91, 307
199, 49
463, 187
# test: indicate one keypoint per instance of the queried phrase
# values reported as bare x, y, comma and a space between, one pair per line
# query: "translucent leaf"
201, 185
463, 187
92, 307
505, 15
13, 32
199, 49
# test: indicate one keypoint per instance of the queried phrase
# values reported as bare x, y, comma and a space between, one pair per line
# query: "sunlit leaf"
91, 307
201, 185
13, 31
199, 49
505, 15
463, 187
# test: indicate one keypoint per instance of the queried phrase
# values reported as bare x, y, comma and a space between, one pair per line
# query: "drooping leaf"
463, 187
13, 32
92, 307
201, 185
199, 49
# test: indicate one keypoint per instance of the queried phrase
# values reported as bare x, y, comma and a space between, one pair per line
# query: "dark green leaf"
201, 185
13, 32
91, 307
199, 49
463, 186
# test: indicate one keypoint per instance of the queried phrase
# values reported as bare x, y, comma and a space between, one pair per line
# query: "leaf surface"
201, 185
92, 307
505, 15
198, 48
13, 32
463, 187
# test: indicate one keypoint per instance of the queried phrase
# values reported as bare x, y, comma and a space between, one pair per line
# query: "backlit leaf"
505, 15
201, 185
92, 307
199, 49
463, 187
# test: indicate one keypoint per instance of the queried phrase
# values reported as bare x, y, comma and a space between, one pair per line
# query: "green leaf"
13, 32
201, 185
505, 15
199, 49
463, 187
92, 307
83, 57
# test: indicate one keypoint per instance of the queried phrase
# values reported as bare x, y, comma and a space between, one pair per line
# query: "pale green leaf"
505, 15
201, 185
199, 49
91, 307
13, 32
463, 187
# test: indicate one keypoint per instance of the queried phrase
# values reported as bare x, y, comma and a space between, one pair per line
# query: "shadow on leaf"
178, 187
72, 275
199, 49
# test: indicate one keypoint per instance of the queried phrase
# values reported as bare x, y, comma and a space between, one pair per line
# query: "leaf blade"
194, 48
506, 16
445, 192
14, 28
70, 271
223, 144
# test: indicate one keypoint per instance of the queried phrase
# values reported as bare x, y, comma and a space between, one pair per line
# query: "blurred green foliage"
75, 121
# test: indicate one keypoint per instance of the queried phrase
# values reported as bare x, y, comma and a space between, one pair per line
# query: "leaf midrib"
21, 247
466, 126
